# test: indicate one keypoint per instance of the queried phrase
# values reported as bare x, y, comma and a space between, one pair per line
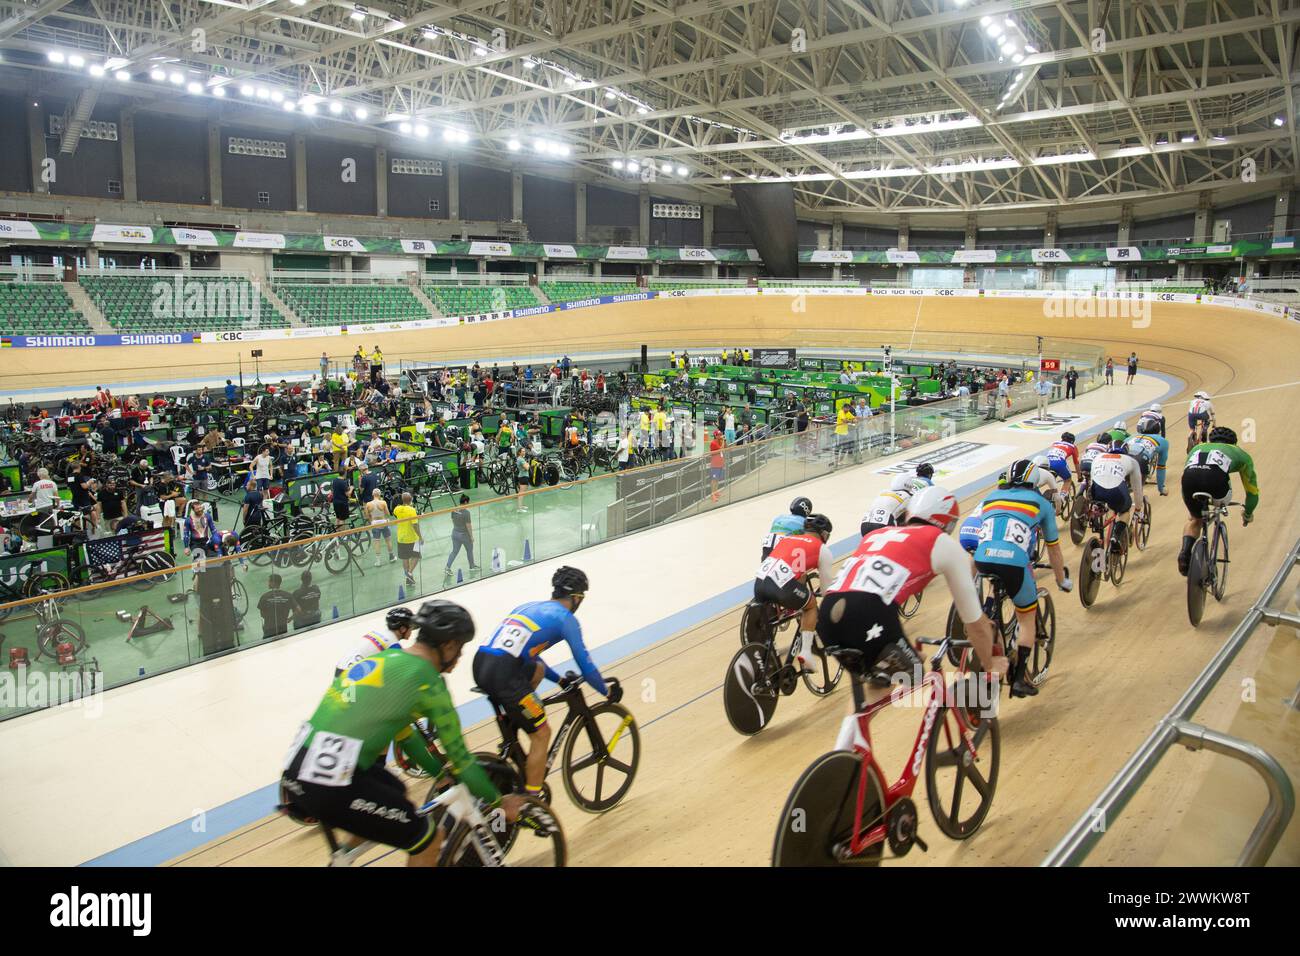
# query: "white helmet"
1201, 395
1120, 425
902, 483
1155, 407
936, 506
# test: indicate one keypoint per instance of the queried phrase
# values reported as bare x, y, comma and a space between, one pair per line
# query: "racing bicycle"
1207, 565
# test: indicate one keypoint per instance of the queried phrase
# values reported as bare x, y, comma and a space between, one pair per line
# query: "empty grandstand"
319, 304
38, 308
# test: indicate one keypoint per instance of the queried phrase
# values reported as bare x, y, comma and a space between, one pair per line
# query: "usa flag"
106, 555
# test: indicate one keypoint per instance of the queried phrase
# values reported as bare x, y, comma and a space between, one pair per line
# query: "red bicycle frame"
857, 728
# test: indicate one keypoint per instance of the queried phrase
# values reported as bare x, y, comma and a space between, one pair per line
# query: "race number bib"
777, 570
1016, 532
1212, 459
510, 638
770, 541
873, 575
331, 760
879, 516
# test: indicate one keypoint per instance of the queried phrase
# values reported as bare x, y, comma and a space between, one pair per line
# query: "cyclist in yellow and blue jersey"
509, 667
1009, 519
1151, 448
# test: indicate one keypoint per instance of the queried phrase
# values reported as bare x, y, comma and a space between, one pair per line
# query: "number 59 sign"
1049, 365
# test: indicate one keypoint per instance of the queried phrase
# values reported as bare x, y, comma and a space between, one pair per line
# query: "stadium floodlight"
76, 60
176, 79
361, 112
405, 128
610, 95
219, 92
1279, 121
287, 105
96, 70
726, 177
55, 56
336, 109
682, 170
194, 88
529, 63
513, 145
123, 76
309, 109
277, 96
480, 50
617, 164
358, 14
633, 166
421, 130
642, 110
263, 93
157, 75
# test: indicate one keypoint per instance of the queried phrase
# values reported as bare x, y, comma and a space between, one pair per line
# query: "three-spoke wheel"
600, 757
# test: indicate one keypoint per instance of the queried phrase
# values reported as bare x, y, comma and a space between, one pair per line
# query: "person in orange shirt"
717, 468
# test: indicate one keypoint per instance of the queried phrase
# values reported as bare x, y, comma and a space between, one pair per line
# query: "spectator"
261, 468
462, 536
253, 511
324, 366
1132, 368
231, 392
341, 498
306, 603
276, 607
1071, 381
409, 537
111, 506
1110, 371
716, 464
44, 491
1043, 389
338, 445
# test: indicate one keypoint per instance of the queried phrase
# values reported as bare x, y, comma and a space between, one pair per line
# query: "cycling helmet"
399, 617
801, 506
1116, 446
818, 524
936, 506
1022, 474
1040, 461
1148, 426
1223, 435
1068, 436
1120, 426
566, 582
440, 622
1155, 407
925, 471
902, 483
1201, 395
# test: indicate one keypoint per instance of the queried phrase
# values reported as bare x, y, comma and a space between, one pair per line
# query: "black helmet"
1068, 436
1148, 426
801, 506
1223, 435
925, 471
439, 622
399, 617
818, 524
566, 582
1020, 473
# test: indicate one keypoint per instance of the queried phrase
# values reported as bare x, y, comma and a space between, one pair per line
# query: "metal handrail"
1176, 727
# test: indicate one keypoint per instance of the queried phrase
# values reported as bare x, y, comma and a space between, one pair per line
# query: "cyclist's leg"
511, 685
1018, 583
864, 622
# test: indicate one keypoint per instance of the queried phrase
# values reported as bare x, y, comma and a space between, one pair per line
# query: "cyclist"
887, 508
1098, 447
1048, 482
1059, 457
782, 578
924, 475
1118, 432
1117, 483
1151, 449
398, 620
1153, 416
509, 666
1209, 469
335, 769
792, 523
860, 608
1200, 417
1011, 516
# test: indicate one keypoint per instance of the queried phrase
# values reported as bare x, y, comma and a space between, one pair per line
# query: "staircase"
281, 305
86, 306
425, 301
541, 296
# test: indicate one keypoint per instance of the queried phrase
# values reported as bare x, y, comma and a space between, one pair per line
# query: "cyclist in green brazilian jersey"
1209, 468
335, 769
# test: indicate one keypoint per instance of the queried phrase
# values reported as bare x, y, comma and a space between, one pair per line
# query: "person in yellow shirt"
338, 446
746, 354
643, 426
725, 353
409, 537
376, 365
661, 434
843, 418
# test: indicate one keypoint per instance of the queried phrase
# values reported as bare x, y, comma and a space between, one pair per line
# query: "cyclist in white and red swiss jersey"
782, 578
860, 608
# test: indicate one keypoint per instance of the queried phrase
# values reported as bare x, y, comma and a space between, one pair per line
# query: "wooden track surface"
707, 796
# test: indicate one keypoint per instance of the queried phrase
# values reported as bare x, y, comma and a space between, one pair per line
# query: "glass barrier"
53, 647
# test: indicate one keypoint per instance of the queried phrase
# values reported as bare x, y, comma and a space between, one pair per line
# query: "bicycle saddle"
852, 659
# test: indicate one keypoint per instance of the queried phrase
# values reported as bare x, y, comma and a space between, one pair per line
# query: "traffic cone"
460, 577
528, 554
401, 593
335, 613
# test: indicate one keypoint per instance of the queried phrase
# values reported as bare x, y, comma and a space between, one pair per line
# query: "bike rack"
1177, 728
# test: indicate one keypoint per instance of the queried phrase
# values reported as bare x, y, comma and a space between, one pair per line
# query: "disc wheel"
599, 763
1197, 582
818, 815
961, 770
757, 623
1078, 520
1091, 567
748, 693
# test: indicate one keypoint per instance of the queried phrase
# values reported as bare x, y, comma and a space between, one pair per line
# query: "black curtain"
767, 209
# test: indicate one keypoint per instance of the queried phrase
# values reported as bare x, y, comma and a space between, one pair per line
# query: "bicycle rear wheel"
598, 773
1219, 558
1091, 566
748, 694
1198, 571
757, 623
1117, 562
254, 539
825, 675
818, 815
966, 773
1078, 520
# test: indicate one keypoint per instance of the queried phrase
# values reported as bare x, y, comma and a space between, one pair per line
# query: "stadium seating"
569, 291
38, 308
322, 304
477, 299
152, 303
665, 285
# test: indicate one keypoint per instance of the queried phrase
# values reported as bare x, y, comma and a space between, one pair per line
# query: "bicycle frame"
855, 735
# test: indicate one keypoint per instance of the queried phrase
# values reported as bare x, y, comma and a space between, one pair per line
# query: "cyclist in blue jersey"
1011, 516
508, 667
792, 523
1151, 448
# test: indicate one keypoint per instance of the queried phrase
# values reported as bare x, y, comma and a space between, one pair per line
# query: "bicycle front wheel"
1198, 571
1044, 641
238, 599
816, 825
1219, 559
961, 769
537, 834
1142, 531
600, 758
337, 557
1091, 566
825, 675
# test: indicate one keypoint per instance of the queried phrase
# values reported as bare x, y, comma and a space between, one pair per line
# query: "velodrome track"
705, 795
